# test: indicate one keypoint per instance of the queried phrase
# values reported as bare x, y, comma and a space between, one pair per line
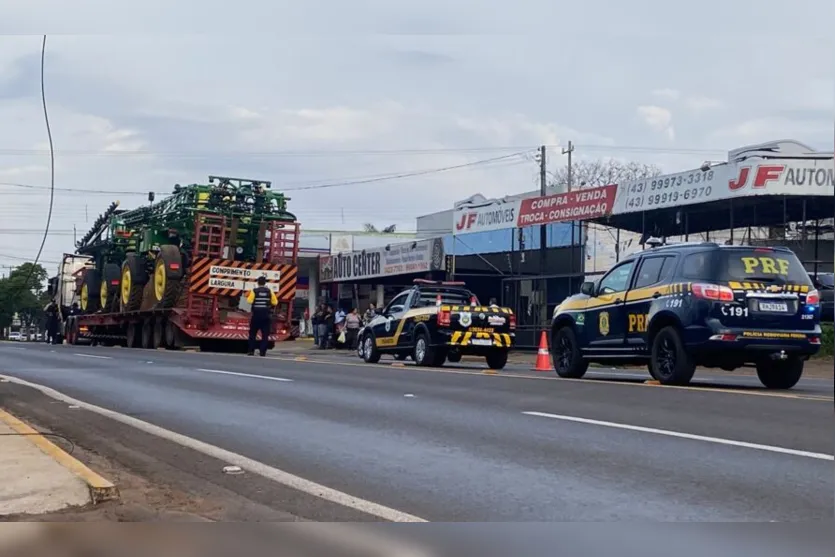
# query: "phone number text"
670, 190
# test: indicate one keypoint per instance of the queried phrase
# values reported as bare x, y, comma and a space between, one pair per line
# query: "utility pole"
568, 151
543, 239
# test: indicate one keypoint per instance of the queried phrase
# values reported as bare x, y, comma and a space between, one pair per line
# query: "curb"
100, 489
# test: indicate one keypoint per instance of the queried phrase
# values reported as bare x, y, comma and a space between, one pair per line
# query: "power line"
74, 190
407, 174
307, 185
352, 152
25, 285
278, 153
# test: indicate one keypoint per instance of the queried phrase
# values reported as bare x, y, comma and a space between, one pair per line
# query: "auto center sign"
418, 256
588, 203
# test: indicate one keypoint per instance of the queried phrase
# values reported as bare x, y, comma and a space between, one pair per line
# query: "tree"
23, 293
601, 172
390, 229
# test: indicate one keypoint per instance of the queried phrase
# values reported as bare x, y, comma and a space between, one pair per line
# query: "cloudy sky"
317, 98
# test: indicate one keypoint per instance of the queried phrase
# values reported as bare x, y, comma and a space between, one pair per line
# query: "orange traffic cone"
543, 357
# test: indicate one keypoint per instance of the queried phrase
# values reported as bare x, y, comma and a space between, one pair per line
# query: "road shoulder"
160, 480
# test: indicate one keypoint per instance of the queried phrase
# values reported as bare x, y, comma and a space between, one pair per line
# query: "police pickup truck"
685, 305
434, 322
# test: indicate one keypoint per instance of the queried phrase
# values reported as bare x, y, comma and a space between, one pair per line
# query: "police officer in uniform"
263, 301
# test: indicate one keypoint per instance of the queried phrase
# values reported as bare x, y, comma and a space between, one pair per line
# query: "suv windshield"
761, 265
428, 297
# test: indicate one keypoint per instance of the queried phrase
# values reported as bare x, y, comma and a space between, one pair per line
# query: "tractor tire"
159, 333
134, 278
132, 334
89, 299
147, 335
168, 273
173, 337
111, 278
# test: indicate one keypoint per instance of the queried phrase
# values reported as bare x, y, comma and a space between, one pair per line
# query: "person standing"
326, 332
352, 328
338, 328
369, 314
263, 301
304, 326
52, 320
316, 321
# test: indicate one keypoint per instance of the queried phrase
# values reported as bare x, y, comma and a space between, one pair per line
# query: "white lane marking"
93, 356
252, 375
280, 476
716, 440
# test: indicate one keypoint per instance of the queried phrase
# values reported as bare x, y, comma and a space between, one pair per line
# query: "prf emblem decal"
388, 325
581, 318
466, 319
603, 323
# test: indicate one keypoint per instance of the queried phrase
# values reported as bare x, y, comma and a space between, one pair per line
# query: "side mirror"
587, 288
394, 309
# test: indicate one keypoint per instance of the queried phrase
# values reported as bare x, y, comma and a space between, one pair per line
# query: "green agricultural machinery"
193, 253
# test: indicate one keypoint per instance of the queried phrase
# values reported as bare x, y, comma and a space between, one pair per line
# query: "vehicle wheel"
132, 335
497, 359
172, 336
109, 289
369, 351
780, 374
671, 363
90, 286
361, 347
147, 333
440, 358
422, 353
400, 357
158, 334
566, 355
454, 357
166, 287
134, 278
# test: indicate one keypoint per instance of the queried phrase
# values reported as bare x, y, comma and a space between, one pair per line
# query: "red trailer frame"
204, 318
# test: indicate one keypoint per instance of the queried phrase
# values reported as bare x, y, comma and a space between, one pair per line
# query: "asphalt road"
461, 445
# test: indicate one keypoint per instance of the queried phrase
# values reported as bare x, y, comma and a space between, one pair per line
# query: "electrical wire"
277, 153
74, 190
316, 184
34, 264
360, 152
406, 174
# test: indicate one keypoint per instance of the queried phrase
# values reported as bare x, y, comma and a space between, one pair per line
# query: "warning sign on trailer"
243, 273
230, 278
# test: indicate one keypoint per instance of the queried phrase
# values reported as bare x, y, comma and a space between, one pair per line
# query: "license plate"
482, 342
774, 306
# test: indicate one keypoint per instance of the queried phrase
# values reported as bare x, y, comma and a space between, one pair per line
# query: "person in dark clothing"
317, 320
328, 321
52, 320
263, 301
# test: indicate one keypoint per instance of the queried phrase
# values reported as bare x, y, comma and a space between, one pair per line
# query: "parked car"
825, 283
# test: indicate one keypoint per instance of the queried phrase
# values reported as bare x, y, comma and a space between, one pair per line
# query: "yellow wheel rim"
103, 294
159, 280
84, 297
126, 285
